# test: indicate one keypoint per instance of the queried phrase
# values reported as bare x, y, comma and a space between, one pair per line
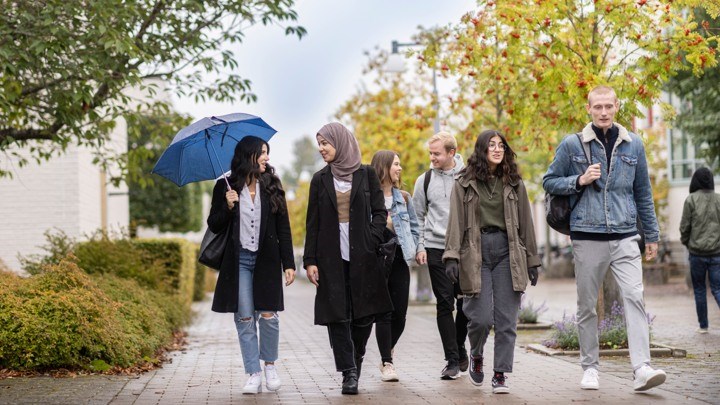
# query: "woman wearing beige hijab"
345, 220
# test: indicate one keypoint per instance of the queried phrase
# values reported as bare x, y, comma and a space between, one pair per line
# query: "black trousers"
453, 332
348, 338
390, 325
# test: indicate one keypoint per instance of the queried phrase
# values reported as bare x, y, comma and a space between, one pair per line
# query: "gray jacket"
433, 218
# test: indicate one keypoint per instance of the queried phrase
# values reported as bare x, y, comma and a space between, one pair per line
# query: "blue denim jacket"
625, 189
405, 223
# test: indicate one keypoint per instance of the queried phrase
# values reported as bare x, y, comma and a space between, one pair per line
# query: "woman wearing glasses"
490, 248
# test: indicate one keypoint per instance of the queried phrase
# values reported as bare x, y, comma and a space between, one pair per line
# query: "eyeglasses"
496, 146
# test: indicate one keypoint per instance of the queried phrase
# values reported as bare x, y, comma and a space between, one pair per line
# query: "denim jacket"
625, 192
405, 223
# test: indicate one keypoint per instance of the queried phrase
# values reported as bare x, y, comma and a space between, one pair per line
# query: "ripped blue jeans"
248, 321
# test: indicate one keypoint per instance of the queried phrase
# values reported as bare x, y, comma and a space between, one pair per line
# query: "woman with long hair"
346, 217
259, 251
490, 248
700, 233
402, 223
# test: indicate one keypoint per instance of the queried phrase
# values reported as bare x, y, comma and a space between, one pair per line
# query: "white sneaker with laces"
388, 373
702, 331
590, 380
272, 380
646, 377
253, 385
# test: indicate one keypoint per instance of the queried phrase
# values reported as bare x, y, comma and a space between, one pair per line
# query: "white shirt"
250, 219
344, 187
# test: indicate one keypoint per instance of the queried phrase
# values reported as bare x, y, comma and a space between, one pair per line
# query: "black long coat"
274, 254
322, 246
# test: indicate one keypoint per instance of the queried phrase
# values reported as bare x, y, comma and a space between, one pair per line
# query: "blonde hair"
601, 90
448, 141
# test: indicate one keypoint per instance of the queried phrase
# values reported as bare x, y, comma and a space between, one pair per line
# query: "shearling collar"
588, 134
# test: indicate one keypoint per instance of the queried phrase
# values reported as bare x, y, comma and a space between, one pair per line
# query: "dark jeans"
700, 268
452, 331
349, 338
391, 325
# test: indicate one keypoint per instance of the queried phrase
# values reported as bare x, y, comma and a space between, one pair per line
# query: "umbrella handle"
207, 140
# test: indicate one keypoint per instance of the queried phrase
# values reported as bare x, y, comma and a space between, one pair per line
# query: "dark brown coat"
274, 255
322, 246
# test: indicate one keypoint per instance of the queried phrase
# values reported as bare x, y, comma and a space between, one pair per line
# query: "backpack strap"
426, 184
588, 156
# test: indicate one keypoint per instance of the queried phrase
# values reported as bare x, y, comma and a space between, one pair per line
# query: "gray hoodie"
433, 220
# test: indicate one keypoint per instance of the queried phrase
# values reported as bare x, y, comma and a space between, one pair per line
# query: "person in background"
700, 233
346, 218
402, 223
490, 249
260, 249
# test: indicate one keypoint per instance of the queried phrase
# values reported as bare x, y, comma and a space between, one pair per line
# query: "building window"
684, 154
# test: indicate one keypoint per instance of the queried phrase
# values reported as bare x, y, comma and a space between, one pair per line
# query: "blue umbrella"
204, 149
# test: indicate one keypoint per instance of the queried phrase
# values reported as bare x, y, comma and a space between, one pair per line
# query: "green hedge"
63, 317
166, 265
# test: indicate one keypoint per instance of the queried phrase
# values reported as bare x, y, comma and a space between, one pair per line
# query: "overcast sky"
301, 83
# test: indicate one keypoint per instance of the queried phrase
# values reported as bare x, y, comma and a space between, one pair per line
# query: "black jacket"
322, 246
275, 253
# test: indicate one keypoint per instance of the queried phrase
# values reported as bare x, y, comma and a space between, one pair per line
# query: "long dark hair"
477, 165
382, 161
244, 166
702, 179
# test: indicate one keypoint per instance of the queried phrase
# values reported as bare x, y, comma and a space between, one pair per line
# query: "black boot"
350, 382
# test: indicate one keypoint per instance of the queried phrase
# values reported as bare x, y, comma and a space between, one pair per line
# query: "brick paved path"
210, 371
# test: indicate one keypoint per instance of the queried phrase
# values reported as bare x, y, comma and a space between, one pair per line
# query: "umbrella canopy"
204, 149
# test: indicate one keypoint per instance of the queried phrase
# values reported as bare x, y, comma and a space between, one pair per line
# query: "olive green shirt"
491, 210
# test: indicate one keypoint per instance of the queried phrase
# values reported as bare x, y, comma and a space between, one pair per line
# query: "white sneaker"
253, 385
702, 331
272, 380
590, 380
387, 372
646, 377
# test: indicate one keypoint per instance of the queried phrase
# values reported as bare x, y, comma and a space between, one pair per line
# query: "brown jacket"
462, 239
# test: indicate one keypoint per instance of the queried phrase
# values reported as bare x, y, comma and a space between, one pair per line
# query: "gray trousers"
497, 304
592, 259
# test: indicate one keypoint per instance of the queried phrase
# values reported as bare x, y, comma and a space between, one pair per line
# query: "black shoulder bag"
558, 208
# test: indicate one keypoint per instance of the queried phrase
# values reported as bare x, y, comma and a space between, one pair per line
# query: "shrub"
65, 318
176, 260
528, 313
564, 334
612, 331
58, 246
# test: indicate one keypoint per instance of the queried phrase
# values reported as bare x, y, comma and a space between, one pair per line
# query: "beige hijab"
347, 150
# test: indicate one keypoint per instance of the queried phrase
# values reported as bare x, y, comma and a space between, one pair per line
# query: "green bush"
65, 318
200, 276
165, 265
176, 260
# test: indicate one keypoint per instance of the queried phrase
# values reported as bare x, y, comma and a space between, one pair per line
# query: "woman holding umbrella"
346, 217
257, 253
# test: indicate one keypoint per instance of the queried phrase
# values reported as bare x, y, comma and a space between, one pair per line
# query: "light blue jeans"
252, 348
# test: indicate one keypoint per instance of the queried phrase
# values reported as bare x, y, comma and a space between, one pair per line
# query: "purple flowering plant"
528, 312
612, 331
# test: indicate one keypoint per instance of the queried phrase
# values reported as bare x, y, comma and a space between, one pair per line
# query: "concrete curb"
534, 326
656, 350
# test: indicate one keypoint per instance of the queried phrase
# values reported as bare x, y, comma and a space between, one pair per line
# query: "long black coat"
322, 246
274, 254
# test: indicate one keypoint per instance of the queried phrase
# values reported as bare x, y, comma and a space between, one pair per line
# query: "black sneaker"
350, 382
476, 374
463, 363
499, 385
451, 371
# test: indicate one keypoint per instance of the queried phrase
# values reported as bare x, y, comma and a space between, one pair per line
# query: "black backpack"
558, 208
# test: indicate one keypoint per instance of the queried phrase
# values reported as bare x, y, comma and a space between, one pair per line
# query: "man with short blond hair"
431, 200
614, 193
